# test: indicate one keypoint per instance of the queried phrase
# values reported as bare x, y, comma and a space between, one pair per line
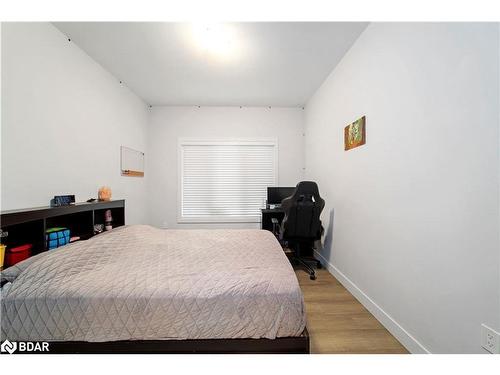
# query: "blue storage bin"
56, 237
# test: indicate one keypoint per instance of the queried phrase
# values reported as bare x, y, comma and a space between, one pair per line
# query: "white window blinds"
225, 181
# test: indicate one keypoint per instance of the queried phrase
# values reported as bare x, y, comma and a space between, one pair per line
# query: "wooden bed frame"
281, 345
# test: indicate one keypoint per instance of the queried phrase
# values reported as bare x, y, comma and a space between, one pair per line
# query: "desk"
268, 214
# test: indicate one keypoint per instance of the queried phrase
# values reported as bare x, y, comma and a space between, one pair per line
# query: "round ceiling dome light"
218, 40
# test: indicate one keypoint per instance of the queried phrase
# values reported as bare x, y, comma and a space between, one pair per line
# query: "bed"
140, 289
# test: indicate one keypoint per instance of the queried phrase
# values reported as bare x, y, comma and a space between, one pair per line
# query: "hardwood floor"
338, 323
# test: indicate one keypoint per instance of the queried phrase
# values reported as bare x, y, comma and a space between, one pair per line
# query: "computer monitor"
276, 194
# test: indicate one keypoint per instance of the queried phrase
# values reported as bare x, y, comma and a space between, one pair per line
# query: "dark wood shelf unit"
29, 225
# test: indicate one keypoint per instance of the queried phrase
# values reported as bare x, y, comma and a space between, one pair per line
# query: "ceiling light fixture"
217, 40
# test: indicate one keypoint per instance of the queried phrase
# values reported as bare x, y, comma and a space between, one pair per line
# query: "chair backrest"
302, 212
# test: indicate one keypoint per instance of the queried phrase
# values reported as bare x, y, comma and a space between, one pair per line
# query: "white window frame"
214, 142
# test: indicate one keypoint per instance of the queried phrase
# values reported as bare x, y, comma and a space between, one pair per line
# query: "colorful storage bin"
16, 254
56, 237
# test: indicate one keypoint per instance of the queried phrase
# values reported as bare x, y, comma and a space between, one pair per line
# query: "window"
225, 181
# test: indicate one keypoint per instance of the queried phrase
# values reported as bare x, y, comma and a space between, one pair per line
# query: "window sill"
217, 220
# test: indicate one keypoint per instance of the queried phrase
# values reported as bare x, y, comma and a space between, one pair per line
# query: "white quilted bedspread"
143, 283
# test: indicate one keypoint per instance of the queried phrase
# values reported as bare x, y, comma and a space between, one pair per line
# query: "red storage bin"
16, 254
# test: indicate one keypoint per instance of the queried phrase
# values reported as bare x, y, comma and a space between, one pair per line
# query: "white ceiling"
264, 64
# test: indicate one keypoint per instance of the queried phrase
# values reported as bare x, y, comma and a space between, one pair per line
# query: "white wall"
63, 120
413, 215
168, 124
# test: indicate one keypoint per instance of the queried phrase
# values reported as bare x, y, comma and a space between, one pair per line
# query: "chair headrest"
305, 191
307, 188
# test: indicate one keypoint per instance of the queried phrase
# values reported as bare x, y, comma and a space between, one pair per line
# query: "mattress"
143, 283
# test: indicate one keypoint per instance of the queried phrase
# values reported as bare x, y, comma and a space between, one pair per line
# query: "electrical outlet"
490, 339
164, 225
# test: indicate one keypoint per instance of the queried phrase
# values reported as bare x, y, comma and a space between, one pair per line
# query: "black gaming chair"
301, 226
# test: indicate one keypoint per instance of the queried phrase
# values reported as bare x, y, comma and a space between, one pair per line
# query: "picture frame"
355, 134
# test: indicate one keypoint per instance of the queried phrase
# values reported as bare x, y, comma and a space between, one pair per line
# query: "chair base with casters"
306, 262
297, 246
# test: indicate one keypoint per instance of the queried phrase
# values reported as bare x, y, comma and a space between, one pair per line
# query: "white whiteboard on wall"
131, 162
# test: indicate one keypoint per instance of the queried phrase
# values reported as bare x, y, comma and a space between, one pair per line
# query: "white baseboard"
407, 340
